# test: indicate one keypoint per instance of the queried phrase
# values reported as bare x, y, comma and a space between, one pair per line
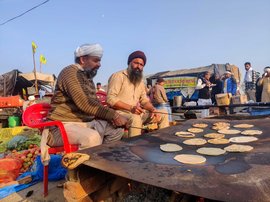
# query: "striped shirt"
75, 98
251, 83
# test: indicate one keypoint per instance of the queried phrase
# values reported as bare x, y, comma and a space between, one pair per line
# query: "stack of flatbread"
221, 125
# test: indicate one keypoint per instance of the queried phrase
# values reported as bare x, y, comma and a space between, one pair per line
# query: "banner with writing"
178, 82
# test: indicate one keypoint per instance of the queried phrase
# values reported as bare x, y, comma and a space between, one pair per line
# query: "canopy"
41, 77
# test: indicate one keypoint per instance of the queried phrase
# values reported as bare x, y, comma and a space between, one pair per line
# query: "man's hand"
155, 117
121, 121
136, 110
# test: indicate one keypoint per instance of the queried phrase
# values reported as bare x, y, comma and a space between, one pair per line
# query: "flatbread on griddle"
170, 147
229, 131
195, 141
243, 125
219, 141
185, 134
211, 151
238, 148
220, 125
214, 135
243, 139
251, 132
200, 125
195, 130
190, 159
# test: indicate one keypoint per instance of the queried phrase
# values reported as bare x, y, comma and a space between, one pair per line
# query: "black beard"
91, 73
135, 75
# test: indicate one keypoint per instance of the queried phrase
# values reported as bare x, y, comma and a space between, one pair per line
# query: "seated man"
87, 122
126, 93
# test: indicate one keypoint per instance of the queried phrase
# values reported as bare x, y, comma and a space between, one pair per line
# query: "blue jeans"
167, 107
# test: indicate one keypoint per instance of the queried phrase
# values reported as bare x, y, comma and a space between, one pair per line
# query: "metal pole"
35, 73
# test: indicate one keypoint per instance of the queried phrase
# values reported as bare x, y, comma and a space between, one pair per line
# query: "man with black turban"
126, 94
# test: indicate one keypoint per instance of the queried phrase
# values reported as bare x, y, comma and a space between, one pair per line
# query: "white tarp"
48, 78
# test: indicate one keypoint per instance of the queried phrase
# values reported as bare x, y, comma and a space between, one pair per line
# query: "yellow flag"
34, 46
42, 59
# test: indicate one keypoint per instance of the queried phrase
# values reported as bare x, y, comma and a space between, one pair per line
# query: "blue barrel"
14, 121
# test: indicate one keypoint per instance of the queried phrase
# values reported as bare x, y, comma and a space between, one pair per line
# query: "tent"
13, 82
43, 79
183, 82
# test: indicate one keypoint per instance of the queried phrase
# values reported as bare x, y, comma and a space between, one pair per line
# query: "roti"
251, 132
184, 134
229, 131
214, 135
221, 125
211, 151
169, 147
200, 125
218, 141
195, 141
244, 125
238, 148
190, 159
242, 139
195, 130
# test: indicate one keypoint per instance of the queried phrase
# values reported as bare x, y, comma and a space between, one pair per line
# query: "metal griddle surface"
229, 177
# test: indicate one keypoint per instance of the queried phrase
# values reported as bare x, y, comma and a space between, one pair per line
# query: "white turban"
89, 49
267, 69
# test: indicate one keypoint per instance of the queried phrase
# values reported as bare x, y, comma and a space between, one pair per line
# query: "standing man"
229, 83
87, 122
217, 87
160, 100
126, 94
265, 83
204, 87
250, 79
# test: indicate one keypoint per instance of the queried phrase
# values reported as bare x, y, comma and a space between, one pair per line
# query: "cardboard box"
239, 99
223, 99
217, 111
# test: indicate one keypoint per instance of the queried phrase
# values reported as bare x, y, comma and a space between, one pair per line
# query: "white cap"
267, 69
228, 72
89, 49
31, 98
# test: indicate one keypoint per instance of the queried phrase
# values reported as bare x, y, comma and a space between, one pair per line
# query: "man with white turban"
87, 122
265, 83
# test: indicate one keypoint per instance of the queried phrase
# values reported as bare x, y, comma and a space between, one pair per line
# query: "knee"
94, 139
136, 120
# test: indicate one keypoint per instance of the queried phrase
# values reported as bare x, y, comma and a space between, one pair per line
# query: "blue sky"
174, 34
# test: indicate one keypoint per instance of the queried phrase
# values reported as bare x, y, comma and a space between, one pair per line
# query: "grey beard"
91, 73
135, 76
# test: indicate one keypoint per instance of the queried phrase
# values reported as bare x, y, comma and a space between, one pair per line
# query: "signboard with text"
180, 82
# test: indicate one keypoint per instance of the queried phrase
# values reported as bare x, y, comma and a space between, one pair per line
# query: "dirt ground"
55, 194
